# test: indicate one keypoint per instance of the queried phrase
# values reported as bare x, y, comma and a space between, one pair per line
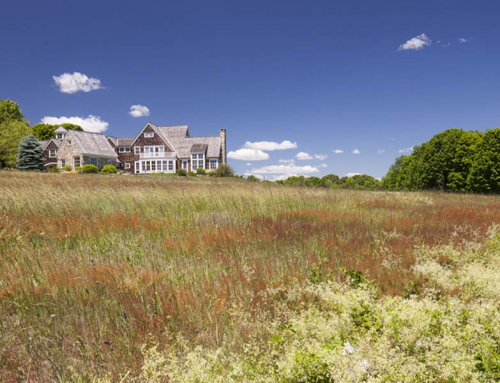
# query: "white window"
52, 153
59, 136
109, 162
76, 161
185, 164
213, 164
123, 150
149, 134
63, 163
137, 167
137, 150
127, 165
197, 161
154, 151
93, 161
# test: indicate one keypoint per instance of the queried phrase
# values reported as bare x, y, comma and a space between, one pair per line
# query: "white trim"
52, 153
137, 151
127, 165
149, 134
156, 166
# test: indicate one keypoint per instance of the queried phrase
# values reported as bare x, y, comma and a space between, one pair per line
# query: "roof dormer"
60, 133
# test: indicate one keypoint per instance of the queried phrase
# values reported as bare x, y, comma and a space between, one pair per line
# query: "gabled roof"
125, 141
44, 144
60, 130
183, 143
199, 148
92, 143
158, 132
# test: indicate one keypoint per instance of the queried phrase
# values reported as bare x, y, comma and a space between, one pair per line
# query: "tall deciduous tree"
485, 173
30, 154
46, 131
9, 111
11, 133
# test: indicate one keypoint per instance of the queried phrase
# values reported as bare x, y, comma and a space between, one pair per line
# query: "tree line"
14, 127
455, 160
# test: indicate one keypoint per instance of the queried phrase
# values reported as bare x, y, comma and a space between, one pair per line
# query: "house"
156, 149
164, 149
82, 148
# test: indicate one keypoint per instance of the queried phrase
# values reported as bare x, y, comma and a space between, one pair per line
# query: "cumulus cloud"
320, 157
381, 151
406, 150
416, 43
248, 155
270, 146
352, 174
76, 82
324, 165
286, 161
356, 151
139, 111
285, 169
338, 151
91, 123
302, 156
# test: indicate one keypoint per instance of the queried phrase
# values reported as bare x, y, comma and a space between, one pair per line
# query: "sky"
302, 87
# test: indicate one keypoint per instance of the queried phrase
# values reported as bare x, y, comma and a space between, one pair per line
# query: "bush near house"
201, 171
109, 169
191, 173
67, 168
88, 168
223, 170
54, 169
181, 172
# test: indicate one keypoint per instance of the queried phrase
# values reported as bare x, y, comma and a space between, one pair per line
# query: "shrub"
109, 169
54, 169
181, 172
89, 168
66, 168
201, 171
252, 178
191, 173
78, 169
223, 170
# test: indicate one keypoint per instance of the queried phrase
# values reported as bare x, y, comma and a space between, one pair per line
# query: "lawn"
107, 278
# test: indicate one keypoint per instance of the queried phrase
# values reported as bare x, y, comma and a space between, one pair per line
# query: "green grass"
105, 276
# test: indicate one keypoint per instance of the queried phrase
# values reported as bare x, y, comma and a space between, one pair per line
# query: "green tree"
330, 180
223, 170
485, 171
313, 181
9, 111
392, 180
45, 132
30, 154
11, 133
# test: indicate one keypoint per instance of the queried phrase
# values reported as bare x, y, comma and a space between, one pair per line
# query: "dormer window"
59, 136
149, 134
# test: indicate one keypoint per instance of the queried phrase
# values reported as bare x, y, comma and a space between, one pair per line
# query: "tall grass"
94, 268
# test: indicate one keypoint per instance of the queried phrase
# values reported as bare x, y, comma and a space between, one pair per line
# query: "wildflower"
348, 349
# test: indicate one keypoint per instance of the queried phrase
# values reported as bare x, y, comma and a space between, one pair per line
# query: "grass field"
114, 278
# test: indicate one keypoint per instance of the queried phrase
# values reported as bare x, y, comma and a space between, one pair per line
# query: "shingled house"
51, 147
82, 148
157, 149
164, 149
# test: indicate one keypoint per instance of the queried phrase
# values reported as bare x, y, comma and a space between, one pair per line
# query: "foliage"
252, 178
485, 170
67, 168
223, 170
109, 169
10, 112
44, 132
191, 173
54, 169
181, 172
358, 182
89, 168
201, 171
11, 133
30, 155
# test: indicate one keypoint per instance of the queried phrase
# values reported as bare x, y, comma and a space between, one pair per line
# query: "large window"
213, 164
123, 150
52, 153
197, 161
93, 161
76, 161
137, 167
149, 134
154, 151
137, 150
63, 163
185, 164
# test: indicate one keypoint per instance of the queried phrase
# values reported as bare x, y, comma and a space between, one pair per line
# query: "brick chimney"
223, 145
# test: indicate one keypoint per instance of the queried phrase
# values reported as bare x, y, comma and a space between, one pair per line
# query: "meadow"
108, 278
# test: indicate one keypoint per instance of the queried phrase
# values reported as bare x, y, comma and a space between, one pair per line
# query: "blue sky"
373, 76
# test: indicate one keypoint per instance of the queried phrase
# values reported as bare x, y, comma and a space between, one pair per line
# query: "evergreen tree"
30, 154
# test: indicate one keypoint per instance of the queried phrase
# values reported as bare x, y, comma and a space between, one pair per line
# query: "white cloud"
248, 155
139, 111
76, 82
338, 151
285, 169
356, 151
270, 146
416, 43
352, 174
462, 40
406, 150
324, 165
286, 161
249, 164
381, 151
320, 157
91, 123
283, 177
302, 156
